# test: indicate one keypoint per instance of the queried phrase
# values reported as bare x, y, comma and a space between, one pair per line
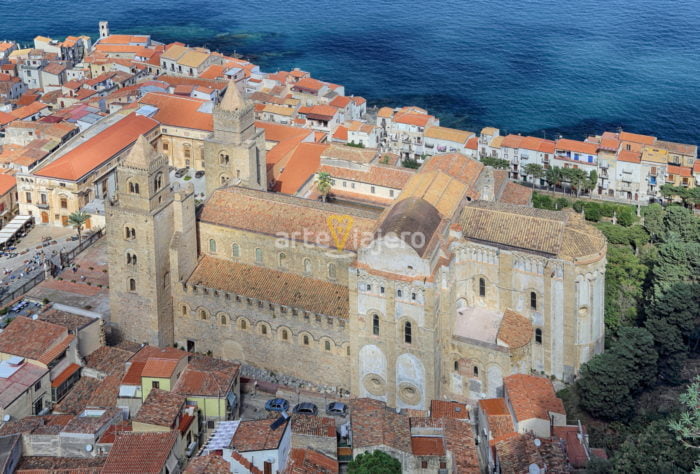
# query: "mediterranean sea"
540, 67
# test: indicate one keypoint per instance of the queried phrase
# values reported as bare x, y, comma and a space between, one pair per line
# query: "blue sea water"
542, 67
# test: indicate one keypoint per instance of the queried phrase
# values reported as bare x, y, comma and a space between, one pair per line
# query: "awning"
65, 375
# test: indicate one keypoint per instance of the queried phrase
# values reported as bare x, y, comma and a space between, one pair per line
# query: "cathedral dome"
413, 220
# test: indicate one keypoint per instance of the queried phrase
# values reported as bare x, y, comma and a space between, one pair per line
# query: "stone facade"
489, 289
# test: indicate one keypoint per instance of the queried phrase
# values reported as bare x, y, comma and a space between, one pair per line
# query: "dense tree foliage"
495, 162
609, 381
375, 462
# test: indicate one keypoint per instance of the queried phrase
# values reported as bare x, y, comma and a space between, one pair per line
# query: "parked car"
181, 172
337, 409
199, 174
277, 404
306, 408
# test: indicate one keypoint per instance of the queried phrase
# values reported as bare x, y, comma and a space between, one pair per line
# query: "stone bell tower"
139, 229
235, 153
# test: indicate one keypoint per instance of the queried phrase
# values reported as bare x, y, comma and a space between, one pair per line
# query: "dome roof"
409, 217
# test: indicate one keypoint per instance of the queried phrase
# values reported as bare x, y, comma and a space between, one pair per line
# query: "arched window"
202, 315
224, 179
223, 320
407, 333
244, 325
331, 270
258, 256
307, 265
533, 300
399, 293
236, 250
132, 284
482, 287
476, 371
133, 187
158, 182
130, 258
64, 202
284, 335
538, 336
375, 325
263, 329
212, 245
223, 159
327, 345
282, 260
306, 340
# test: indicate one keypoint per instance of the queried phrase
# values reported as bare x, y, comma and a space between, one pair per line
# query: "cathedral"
438, 296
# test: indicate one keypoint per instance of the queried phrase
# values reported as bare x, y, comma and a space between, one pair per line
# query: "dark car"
199, 174
181, 172
306, 408
337, 409
277, 404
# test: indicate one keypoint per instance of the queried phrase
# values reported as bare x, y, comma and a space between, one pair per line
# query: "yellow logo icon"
340, 226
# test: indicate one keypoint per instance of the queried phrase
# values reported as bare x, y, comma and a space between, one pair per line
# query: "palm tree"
553, 177
77, 220
534, 170
324, 183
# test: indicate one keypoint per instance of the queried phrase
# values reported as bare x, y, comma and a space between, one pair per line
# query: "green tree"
591, 183
554, 177
410, 163
655, 450
324, 183
78, 220
535, 171
687, 426
609, 380
654, 221
377, 462
673, 319
624, 277
495, 162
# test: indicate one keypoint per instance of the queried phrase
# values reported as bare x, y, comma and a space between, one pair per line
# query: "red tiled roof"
420, 120
514, 193
209, 464
7, 183
374, 424
308, 461
312, 425
28, 110
537, 144
161, 408
427, 446
140, 453
99, 149
321, 111
178, 111
576, 146
532, 397
629, 156
515, 330
207, 376
133, 375
679, 170
303, 163
637, 138
30, 338
447, 409
340, 102
380, 175
309, 84
159, 368
341, 133
257, 435
65, 375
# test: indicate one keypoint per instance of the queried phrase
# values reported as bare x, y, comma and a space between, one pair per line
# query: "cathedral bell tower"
139, 228
235, 153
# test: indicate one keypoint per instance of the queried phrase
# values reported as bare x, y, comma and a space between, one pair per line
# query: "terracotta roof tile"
637, 138
207, 376
448, 134
518, 453
140, 453
60, 465
531, 397
312, 425
7, 183
514, 193
178, 111
427, 446
576, 146
270, 214
374, 424
31, 338
161, 408
159, 368
107, 359
279, 287
380, 175
515, 329
629, 156
456, 165
97, 150
303, 163
308, 461
446, 409
258, 435
209, 464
